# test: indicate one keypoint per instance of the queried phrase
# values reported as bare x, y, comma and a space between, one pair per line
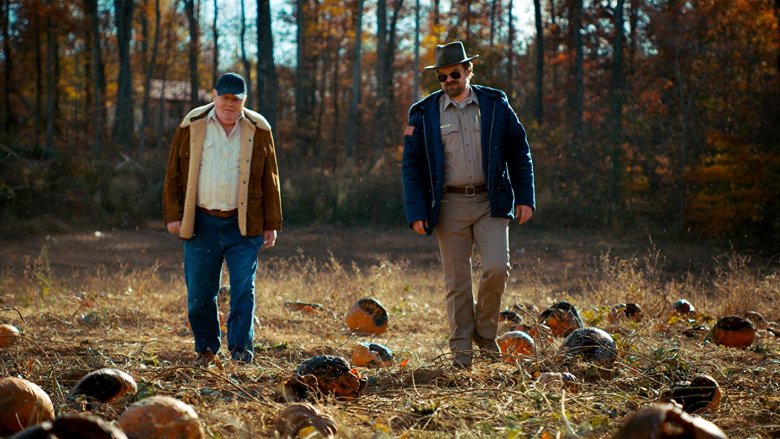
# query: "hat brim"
450, 64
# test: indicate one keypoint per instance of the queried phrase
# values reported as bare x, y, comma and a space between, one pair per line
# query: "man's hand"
523, 213
174, 227
269, 238
419, 226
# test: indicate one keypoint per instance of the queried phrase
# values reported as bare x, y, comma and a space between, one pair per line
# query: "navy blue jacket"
506, 158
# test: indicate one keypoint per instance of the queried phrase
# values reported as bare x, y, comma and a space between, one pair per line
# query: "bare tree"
244, 59
510, 56
123, 116
416, 82
97, 76
539, 92
354, 104
8, 70
52, 74
267, 84
149, 69
576, 95
190, 7
616, 102
215, 37
384, 71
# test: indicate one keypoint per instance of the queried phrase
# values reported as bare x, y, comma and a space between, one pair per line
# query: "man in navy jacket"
467, 172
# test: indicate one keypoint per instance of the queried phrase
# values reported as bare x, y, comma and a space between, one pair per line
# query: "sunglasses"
454, 75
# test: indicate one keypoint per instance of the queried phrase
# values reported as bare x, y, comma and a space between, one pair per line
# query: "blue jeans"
217, 239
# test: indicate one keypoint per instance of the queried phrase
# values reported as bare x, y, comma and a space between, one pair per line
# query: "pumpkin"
9, 336
73, 426
371, 355
733, 331
758, 320
542, 334
509, 316
620, 311
591, 344
702, 393
367, 316
160, 417
305, 308
104, 385
562, 379
326, 375
562, 318
22, 403
683, 307
667, 421
515, 344
289, 421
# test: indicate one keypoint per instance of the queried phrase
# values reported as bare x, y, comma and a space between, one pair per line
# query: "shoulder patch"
409, 130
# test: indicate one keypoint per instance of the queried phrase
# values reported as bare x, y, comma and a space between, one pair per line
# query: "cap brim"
451, 64
240, 96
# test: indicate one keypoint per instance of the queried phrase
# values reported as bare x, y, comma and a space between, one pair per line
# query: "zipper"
428, 157
490, 141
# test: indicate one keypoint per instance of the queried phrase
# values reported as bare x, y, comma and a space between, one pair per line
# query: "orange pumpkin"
562, 318
702, 393
326, 375
667, 421
22, 403
104, 385
73, 426
733, 331
515, 344
542, 334
591, 344
367, 316
289, 421
161, 417
9, 336
758, 320
371, 355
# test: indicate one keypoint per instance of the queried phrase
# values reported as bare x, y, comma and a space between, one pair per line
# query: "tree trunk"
189, 7
510, 56
384, 73
123, 119
633, 22
538, 109
52, 74
616, 101
304, 77
39, 62
97, 78
267, 83
8, 70
416, 72
576, 97
244, 60
151, 65
354, 104
493, 27
215, 36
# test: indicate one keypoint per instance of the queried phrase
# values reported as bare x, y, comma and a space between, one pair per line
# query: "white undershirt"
218, 177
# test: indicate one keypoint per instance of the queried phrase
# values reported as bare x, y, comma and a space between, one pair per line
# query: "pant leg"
492, 239
241, 256
202, 273
454, 235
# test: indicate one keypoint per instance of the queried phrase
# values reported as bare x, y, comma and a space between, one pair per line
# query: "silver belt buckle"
470, 190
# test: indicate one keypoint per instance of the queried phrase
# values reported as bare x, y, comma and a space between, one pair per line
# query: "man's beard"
454, 89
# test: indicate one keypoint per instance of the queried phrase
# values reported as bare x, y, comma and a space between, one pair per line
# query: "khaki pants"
465, 221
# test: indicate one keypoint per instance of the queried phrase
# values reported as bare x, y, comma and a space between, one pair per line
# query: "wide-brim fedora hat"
450, 54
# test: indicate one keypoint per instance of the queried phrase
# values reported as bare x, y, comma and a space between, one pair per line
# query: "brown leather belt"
467, 190
219, 213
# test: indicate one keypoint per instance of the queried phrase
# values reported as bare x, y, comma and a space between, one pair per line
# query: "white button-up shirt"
218, 177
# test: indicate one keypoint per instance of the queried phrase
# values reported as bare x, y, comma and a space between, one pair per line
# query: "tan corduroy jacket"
259, 197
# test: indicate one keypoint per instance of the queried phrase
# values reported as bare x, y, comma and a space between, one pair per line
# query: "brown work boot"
205, 358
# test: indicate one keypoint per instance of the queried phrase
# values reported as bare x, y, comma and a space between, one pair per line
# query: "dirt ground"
554, 254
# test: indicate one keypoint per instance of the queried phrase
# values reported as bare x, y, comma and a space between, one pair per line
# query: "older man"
467, 171
221, 196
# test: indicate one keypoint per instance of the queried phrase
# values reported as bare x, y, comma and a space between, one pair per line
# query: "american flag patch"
409, 130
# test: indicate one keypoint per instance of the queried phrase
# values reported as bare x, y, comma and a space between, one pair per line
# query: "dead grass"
132, 316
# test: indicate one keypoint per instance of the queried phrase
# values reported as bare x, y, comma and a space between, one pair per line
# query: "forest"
656, 115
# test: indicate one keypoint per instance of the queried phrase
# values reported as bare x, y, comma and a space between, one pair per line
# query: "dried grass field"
117, 299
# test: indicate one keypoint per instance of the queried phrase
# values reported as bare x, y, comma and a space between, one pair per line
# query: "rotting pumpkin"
562, 318
161, 417
22, 404
289, 421
9, 336
324, 375
700, 394
367, 316
371, 355
733, 331
667, 421
105, 385
73, 425
516, 344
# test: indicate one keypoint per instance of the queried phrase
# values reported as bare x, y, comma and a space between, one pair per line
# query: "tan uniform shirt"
218, 179
461, 133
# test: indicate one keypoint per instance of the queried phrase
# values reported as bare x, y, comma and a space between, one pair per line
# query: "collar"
212, 116
472, 98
